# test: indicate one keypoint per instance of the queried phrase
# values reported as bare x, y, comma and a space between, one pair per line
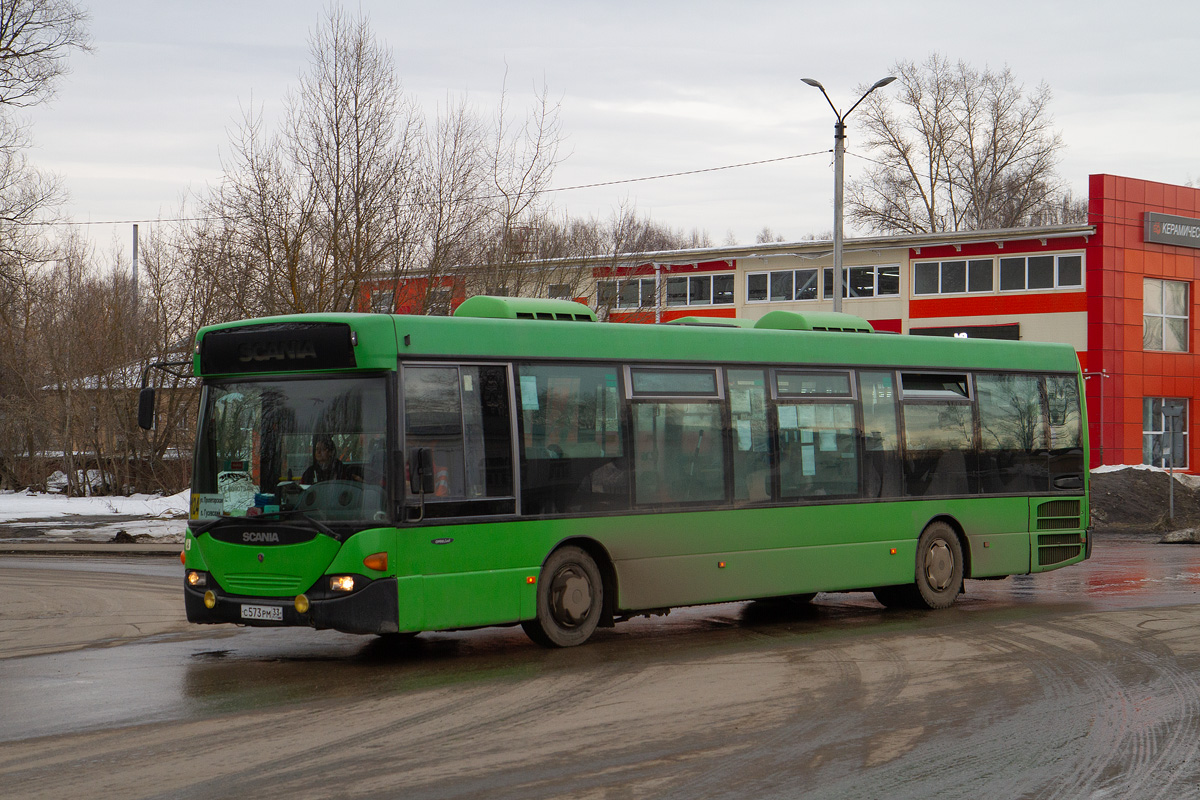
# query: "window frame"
1161, 432
1056, 271
1162, 316
967, 263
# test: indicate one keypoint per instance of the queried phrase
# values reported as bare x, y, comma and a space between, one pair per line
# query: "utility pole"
135, 267
839, 154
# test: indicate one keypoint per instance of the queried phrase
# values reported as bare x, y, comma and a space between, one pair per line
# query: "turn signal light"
182, 556
376, 561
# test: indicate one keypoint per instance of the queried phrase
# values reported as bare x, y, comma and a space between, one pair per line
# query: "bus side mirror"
146, 408
422, 471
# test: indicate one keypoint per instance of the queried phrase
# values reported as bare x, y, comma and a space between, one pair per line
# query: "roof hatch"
488, 307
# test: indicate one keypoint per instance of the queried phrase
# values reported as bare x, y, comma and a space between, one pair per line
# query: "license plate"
270, 613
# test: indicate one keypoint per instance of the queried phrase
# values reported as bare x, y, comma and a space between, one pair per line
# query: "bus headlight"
210, 599
341, 583
197, 578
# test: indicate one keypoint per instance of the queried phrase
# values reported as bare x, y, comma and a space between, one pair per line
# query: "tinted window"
954, 276
1013, 433
678, 453
818, 450
938, 438
1012, 273
673, 382
925, 278
833, 384
979, 276
881, 437
806, 284
781, 286
1070, 270
756, 287
462, 415
1041, 272
572, 456
722, 289
751, 446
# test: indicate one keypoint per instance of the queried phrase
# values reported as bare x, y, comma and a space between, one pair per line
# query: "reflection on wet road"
1076, 683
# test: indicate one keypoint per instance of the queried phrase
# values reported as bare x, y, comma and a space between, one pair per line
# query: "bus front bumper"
372, 609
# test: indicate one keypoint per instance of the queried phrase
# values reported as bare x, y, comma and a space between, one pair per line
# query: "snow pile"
38, 516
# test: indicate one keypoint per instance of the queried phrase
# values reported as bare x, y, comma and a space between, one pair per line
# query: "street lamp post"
839, 153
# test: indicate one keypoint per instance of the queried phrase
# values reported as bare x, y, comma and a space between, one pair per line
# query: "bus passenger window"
818, 450
751, 448
938, 439
1067, 462
1012, 452
881, 435
678, 453
572, 451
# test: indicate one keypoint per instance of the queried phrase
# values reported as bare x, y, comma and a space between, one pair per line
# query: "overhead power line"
596, 185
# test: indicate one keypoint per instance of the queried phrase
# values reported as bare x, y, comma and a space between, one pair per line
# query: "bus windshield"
317, 446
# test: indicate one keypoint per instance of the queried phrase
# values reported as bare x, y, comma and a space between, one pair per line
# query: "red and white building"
1119, 289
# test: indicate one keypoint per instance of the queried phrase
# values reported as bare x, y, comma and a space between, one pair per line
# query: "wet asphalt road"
1083, 682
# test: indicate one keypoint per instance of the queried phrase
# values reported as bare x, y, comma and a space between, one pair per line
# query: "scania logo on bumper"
268, 537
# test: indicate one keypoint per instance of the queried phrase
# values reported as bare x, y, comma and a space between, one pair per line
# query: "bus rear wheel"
939, 567
570, 599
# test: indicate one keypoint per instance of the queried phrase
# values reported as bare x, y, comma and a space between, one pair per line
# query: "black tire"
939, 567
938, 576
570, 599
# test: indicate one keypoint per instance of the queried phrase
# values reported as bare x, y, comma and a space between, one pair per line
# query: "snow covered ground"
36, 517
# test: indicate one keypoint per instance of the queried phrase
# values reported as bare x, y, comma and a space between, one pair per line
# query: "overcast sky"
647, 88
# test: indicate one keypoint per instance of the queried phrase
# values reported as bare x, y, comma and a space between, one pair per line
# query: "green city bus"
522, 463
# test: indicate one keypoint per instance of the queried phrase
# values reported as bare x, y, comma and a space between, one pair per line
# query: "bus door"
458, 424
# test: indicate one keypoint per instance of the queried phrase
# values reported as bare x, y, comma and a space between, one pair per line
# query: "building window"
383, 301
1164, 432
782, 286
953, 277
1164, 315
699, 290
560, 291
865, 281
1021, 273
627, 293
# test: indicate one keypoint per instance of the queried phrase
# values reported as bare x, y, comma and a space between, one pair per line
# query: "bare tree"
957, 148
36, 39
766, 235
309, 213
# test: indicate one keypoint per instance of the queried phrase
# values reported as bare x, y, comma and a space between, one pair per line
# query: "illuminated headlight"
196, 578
342, 583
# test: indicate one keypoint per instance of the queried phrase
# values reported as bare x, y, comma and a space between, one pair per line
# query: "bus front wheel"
939, 572
570, 599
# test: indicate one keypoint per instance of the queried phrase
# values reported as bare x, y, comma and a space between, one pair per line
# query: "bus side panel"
997, 531
471, 574
467, 599
720, 577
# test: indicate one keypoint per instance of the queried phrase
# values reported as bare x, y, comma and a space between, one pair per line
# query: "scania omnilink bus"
520, 462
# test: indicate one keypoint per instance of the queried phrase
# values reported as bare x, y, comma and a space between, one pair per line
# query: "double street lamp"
839, 153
